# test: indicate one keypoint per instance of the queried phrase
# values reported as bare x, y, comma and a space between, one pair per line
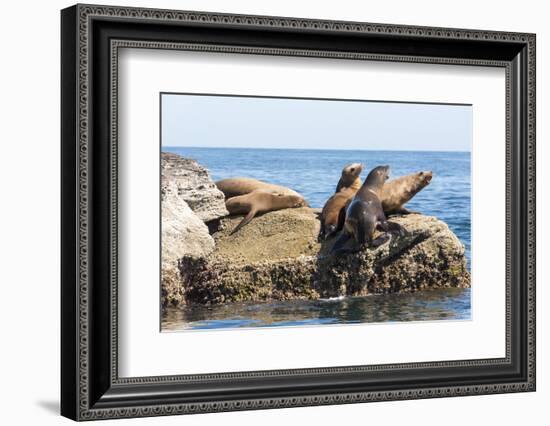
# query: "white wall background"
29, 225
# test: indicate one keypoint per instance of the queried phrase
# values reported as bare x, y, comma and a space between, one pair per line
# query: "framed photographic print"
263, 212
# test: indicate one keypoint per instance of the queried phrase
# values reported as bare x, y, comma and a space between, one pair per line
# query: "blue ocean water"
429, 305
315, 173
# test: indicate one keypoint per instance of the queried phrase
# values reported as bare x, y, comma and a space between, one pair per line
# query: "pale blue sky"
247, 122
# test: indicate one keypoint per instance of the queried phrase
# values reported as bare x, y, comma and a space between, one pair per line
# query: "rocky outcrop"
430, 255
182, 234
194, 186
277, 257
188, 198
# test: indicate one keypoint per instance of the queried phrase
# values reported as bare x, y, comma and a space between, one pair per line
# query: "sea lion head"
418, 182
297, 201
424, 177
378, 176
352, 171
350, 177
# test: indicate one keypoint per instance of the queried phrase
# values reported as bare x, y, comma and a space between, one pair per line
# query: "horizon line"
314, 149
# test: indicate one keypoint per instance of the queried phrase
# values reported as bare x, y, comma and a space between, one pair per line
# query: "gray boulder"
182, 234
194, 186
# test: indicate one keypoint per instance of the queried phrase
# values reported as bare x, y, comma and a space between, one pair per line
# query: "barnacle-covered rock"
277, 257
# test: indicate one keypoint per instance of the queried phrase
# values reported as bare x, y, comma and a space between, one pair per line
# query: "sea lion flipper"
321, 235
249, 216
402, 211
383, 225
396, 228
384, 238
330, 231
341, 218
338, 246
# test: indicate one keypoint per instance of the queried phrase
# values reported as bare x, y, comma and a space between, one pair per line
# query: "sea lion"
333, 213
397, 192
365, 214
350, 177
260, 202
393, 195
233, 187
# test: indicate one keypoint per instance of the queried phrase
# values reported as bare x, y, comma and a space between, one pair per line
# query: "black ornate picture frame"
91, 387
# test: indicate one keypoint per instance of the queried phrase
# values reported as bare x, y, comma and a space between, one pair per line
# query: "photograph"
265, 209
285, 211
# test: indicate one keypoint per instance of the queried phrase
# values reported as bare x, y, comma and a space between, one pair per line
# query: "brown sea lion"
394, 194
397, 192
350, 177
365, 214
233, 187
333, 213
260, 202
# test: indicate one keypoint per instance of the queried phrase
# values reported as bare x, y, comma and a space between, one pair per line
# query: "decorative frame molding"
91, 388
